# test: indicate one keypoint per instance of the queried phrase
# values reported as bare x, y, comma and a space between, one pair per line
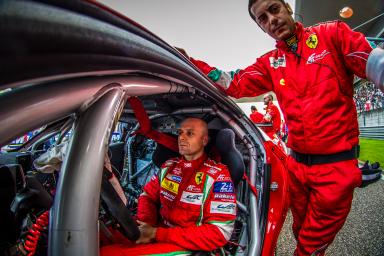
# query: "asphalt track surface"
362, 233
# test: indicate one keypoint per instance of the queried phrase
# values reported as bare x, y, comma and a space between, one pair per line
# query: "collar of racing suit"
282, 44
194, 164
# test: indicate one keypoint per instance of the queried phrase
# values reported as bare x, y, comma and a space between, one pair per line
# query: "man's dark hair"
250, 3
253, 108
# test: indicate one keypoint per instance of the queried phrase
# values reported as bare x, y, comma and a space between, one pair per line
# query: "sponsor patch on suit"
193, 188
174, 178
199, 177
192, 198
223, 187
224, 196
170, 185
168, 196
223, 208
279, 62
222, 177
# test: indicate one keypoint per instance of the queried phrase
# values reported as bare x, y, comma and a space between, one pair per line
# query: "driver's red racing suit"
197, 205
313, 82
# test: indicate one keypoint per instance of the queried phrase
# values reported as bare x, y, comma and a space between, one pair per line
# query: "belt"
308, 159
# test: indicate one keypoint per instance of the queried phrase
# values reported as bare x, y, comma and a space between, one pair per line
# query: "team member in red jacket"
189, 205
311, 73
272, 115
255, 115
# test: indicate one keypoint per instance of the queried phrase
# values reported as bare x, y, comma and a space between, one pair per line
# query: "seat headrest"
230, 155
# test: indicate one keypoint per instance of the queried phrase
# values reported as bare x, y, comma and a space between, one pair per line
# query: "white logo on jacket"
192, 198
316, 57
279, 62
222, 177
187, 165
193, 188
223, 208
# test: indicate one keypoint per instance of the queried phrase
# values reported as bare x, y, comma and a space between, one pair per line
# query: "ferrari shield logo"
199, 177
312, 41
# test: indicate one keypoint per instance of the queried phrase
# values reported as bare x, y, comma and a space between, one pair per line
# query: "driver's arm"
148, 202
214, 227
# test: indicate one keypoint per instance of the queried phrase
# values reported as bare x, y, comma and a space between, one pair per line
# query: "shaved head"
199, 122
193, 136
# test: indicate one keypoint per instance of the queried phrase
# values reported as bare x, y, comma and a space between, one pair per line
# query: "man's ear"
205, 140
289, 8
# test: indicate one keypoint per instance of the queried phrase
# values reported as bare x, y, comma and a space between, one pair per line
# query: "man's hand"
182, 51
147, 233
268, 117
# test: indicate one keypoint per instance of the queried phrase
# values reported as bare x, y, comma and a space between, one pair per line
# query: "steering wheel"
120, 213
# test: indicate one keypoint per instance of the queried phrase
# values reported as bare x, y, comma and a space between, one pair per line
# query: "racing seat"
230, 155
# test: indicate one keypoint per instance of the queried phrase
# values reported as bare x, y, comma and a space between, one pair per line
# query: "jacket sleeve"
276, 119
149, 202
249, 82
354, 47
215, 225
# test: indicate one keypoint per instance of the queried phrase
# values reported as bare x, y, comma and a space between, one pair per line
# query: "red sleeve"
249, 82
149, 201
354, 47
275, 113
215, 227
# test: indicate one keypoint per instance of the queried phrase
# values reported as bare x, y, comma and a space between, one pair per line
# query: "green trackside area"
372, 150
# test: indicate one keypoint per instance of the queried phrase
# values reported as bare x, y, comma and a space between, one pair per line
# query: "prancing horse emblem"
312, 41
199, 177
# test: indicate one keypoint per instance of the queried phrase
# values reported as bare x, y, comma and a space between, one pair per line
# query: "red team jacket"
313, 85
197, 204
256, 117
272, 114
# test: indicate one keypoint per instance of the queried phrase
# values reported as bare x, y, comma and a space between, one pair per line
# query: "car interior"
134, 158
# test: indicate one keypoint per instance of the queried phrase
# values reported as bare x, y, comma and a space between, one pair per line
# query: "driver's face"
274, 18
193, 136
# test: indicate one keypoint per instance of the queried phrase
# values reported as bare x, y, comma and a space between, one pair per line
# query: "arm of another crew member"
354, 47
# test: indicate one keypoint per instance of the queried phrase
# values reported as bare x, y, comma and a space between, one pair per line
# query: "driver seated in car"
190, 205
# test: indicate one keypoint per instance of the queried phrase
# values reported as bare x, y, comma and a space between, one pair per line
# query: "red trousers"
321, 198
